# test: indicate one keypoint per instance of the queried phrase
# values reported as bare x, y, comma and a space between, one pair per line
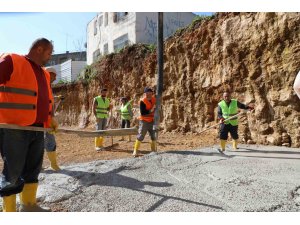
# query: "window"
96, 54
100, 21
118, 16
105, 49
106, 19
95, 27
120, 42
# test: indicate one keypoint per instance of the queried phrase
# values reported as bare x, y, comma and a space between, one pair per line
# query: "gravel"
252, 178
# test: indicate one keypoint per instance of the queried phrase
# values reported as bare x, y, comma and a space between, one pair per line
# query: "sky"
66, 30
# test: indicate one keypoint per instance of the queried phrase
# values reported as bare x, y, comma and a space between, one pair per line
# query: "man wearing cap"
101, 107
50, 143
147, 108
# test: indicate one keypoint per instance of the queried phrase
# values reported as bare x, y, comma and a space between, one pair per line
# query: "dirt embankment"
256, 55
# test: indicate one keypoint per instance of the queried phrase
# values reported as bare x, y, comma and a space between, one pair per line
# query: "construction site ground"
187, 174
73, 149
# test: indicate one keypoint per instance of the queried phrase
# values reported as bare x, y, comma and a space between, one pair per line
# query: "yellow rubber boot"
28, 199
234, 144
136, 148
222, 144
9, 203
53, 161
98, 143
153, 146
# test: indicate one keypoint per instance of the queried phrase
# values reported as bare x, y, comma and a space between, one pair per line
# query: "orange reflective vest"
149, 105
18, 96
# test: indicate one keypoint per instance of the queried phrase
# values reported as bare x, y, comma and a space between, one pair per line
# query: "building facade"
63, 57
110, 31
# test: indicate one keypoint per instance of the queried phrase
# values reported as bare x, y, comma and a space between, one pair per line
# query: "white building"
68, 71
109, 32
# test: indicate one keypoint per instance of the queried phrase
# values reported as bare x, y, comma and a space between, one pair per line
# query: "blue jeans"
22, 153
50, 143
101, 124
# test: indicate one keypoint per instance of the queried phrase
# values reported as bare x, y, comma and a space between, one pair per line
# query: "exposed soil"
73, 149
254, 55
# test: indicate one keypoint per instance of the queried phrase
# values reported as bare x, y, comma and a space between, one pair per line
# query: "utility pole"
160, 61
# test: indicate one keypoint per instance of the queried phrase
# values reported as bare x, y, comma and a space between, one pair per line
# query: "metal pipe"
160, 61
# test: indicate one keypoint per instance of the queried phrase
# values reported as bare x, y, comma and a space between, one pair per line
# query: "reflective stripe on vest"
149, 105
18, 96
17, 91
7, 105
124, 112
102, 107
228, 111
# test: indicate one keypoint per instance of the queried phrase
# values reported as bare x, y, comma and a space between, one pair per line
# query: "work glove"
222, 120
53, 125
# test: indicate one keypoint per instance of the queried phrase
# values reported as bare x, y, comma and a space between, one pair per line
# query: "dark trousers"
125, 123
228, 128
22, 153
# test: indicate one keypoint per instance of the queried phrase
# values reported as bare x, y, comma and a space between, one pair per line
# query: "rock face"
255, 55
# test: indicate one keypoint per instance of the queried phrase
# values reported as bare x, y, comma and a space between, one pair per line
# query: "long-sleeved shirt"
297, 85
6, 69
239, 105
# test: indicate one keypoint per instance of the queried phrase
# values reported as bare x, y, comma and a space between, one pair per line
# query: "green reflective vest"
229, 111
102, 107
125, 115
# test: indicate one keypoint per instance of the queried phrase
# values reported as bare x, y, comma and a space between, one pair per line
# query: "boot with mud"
28, 199
136, 148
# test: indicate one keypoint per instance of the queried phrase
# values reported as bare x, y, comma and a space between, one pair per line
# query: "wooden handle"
83, 133
229, 118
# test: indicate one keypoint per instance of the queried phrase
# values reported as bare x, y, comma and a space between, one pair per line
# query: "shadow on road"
113, 178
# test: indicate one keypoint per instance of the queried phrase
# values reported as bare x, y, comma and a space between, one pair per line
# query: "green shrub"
151, 47
200, 19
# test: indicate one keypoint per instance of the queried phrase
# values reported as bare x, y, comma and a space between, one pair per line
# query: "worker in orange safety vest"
146, 120
25, 100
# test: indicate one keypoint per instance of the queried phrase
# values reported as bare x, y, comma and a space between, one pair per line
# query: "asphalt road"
253, 178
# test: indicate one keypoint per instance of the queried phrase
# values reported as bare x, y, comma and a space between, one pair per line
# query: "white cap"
51, 70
